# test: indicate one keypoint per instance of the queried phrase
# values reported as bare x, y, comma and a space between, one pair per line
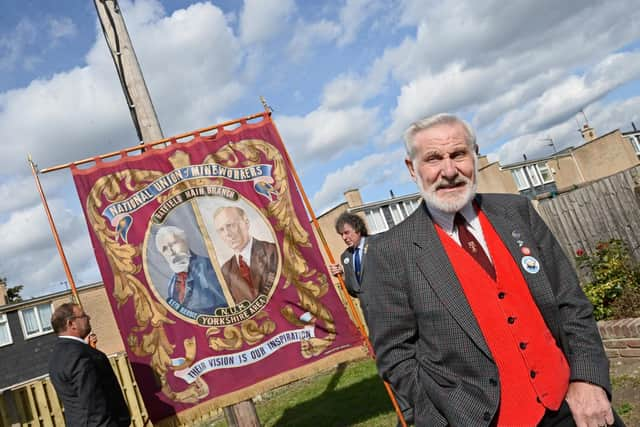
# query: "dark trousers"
562, 418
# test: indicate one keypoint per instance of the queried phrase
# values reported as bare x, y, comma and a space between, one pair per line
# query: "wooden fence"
36, 403
598, 211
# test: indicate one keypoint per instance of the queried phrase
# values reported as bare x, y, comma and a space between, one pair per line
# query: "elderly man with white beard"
474, 311
194, 285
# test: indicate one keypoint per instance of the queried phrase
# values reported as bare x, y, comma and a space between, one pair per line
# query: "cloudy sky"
344, 79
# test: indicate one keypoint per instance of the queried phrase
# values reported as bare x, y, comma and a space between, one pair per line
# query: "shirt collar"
445, 219
246, 252
69, 337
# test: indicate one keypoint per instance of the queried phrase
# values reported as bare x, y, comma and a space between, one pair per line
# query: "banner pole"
54, 231
343, 287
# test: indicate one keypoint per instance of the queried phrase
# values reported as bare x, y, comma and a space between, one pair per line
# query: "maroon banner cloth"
212, 270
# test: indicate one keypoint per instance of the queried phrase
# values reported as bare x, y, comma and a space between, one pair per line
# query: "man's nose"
449, 169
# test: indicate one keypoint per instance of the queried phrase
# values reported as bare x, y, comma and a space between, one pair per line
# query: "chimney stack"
353, 198
3, 293
588, 133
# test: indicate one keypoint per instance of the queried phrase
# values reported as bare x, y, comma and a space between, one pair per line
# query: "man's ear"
409, 163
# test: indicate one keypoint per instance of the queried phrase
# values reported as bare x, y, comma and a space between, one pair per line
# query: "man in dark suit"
252, 268
82, 375
475, 312
194, 284
353, 231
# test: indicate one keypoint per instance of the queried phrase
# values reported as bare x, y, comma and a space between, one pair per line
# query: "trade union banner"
212, 270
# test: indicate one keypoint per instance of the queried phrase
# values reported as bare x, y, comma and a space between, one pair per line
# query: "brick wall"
621, 340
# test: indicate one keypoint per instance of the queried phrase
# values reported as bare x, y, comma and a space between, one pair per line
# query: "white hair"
170, 230
431, 121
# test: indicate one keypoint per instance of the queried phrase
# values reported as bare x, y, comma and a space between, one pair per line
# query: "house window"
635, 142
545, 173
397, 213
532, 172
520, 178
36, 320
410, 206
5, 332
375, 218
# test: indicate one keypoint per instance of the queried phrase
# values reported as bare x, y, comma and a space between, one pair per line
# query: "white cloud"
567, 97
13, 46
20, 191
262, 20
326, 134
376, 169
86, 108
200, 55
309, 34
28, 255
465, 55
604, 117
61, 27
352, 17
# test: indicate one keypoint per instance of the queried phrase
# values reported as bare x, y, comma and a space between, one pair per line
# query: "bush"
614, 283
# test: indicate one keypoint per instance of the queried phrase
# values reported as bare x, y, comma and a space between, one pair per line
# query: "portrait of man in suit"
82, 375
252, 268
475, 313
194, 284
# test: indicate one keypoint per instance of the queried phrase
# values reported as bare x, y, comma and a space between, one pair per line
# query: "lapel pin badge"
530, 264
345, 260
520, 243
515, 234
525, 250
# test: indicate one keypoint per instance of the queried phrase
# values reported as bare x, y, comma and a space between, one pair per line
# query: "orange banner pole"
54, 231
343, 287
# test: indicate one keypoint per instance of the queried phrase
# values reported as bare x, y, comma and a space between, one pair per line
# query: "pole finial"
33, 164
266, 106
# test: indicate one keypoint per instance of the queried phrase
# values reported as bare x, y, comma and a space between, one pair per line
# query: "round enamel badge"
530, 264
345, 261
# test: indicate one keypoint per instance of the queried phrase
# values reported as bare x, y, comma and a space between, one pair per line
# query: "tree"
13, 293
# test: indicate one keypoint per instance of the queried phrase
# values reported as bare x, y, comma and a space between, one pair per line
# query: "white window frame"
520, 177
635, 142
42, 329
397, 213
545, 167
4, 323
410, 206
377, 222
532, 173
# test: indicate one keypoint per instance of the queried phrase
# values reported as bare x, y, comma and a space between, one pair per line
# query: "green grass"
351, 395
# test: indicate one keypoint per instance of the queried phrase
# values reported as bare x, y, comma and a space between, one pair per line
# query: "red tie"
245, 272
181, 283
472, 246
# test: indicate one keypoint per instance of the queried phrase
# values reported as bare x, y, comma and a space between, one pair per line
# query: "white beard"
447, 204
180, 263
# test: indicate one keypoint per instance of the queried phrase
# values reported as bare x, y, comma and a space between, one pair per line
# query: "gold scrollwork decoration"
148, 337
123, 261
